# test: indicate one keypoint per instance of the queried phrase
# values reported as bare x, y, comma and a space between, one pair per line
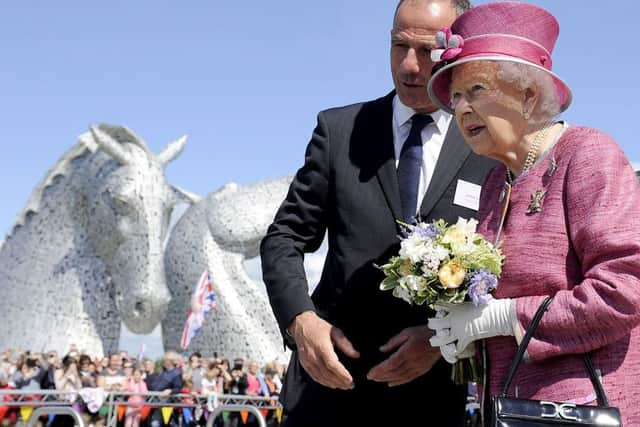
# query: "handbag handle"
522, 348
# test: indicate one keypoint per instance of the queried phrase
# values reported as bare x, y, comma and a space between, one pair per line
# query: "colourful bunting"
166, 414
264, 413
279, 415
144, 412
186, 413
121, 411
244, 415
103, 411
25, 413
3, 411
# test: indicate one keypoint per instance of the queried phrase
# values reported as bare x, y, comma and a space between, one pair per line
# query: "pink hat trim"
507, 45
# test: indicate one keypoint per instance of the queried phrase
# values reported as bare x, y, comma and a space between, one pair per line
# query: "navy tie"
409, 167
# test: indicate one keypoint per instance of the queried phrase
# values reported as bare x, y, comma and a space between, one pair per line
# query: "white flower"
413, 248
460, 236
402, 293
467, 226
432, 258
413, 283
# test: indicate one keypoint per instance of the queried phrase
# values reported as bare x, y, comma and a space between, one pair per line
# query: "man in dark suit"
361, 356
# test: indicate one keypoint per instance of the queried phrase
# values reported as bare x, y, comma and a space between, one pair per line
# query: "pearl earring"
526, 115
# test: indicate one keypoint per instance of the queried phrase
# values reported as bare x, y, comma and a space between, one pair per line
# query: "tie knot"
419, 121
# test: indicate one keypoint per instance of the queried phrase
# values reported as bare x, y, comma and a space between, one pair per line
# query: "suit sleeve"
299, 226
602, 207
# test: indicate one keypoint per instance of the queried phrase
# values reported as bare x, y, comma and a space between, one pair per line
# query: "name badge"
467, 195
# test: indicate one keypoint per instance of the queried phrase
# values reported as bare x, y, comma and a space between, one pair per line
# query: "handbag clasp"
562, 410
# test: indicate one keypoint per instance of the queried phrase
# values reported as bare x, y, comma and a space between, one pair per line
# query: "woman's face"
488, 110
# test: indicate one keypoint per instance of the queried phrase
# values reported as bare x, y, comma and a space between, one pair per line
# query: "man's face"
194, 361
115, 361
52, 358
412, 39
168, 364
253, 368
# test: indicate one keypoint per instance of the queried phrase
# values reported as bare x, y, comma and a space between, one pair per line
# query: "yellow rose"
405, 268
454, 236
451, 275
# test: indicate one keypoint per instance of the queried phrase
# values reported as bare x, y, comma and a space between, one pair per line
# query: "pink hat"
502, 31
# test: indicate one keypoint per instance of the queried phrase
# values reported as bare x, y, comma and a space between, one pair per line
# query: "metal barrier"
216, 403
54, 410
236, 408
37, 398
212, 401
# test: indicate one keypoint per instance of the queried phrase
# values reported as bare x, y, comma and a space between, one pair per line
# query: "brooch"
535, 205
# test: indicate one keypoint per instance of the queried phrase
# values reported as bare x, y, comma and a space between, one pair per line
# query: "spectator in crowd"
150, 372
135, 385
113, 376
239, 381
51, 363
29, 374
195, 370
67, 378
253, 382
167, 382
212, 383
87, 371
104, 364
127, 368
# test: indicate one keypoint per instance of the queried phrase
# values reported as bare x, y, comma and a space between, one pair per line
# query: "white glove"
465, 323
449, 351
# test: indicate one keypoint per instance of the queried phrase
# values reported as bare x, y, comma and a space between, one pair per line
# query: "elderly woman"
564, 205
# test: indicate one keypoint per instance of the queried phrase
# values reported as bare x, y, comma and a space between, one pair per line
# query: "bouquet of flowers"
441, 263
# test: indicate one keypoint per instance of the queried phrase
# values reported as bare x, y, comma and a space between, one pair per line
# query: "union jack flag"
202, 301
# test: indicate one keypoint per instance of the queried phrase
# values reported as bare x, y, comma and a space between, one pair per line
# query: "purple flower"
482, 283
427, 231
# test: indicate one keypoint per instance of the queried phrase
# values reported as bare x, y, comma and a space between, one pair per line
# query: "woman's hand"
458, 325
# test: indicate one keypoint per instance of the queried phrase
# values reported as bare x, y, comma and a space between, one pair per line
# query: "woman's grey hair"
525, 76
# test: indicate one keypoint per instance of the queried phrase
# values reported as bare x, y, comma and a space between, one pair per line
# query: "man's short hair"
461, 7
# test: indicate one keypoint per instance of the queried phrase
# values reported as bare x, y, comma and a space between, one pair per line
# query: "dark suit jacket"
348, 187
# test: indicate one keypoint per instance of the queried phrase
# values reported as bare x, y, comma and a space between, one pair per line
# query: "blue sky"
244, 80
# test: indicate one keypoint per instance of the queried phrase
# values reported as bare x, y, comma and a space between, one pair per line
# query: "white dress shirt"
432, 139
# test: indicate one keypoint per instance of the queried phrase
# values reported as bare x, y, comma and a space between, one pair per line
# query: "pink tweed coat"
584, 248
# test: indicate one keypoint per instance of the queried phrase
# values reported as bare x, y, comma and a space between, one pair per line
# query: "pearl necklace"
532, 154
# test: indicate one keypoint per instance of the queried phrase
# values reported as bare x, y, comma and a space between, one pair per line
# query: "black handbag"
513, 412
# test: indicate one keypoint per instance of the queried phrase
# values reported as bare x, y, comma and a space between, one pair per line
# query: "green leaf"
389, 283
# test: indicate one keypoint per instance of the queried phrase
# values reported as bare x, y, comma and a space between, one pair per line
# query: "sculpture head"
129, 205
239, 215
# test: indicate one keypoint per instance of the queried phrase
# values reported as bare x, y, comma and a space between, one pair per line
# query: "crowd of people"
175, 374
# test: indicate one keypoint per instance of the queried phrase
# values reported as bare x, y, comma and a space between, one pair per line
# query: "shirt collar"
402, 114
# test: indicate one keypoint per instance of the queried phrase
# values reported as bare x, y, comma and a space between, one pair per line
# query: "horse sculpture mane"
62, 167
86, 250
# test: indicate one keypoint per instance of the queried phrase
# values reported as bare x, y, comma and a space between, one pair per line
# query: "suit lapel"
386, 172
452, 156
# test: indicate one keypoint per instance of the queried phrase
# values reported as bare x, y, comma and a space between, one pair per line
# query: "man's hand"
413, 356
315, 339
